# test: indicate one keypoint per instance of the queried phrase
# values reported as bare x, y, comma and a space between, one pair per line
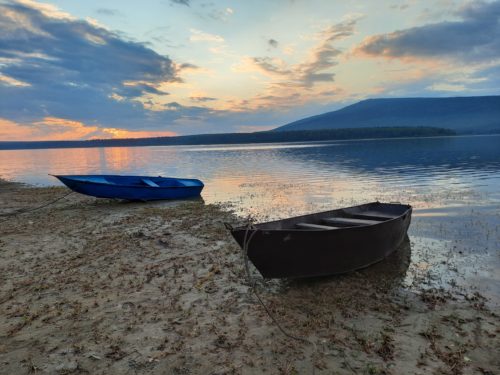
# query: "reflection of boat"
325, 243
392, 271
143, 188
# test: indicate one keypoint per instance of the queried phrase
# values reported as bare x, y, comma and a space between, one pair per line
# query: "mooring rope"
20, 212
253, 287
246, 242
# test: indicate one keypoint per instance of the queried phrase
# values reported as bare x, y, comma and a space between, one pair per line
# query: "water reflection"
424, 158
273, 181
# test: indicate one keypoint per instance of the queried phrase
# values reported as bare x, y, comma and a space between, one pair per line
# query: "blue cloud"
77, 50
474, 38
108, 12
181, 2
202, 99
273, 43
72, 69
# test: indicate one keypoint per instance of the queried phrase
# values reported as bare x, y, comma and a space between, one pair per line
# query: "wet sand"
95, 286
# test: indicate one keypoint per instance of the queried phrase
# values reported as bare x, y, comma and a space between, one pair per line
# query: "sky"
75, 70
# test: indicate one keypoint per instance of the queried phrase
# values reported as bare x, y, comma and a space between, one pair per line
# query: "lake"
452, 182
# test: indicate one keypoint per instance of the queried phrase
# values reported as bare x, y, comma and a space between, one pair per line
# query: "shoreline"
257, 143
99, 286
268, 137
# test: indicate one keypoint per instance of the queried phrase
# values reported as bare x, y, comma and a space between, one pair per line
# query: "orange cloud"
12, 81
121, 133
58, 129
48, 10
55, 128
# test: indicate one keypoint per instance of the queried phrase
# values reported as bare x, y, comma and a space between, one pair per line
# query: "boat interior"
369, 214
347, 220
135, 181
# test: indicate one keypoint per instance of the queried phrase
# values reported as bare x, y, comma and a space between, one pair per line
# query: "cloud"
400, 6
335, 92
137, 89
487, 77
200, 36
484, 80
9, 81
201, 99
341, 30
268, 102
273, 66
220, 14
108, 12
76, 51
187, 66
47, 10
447, 87
55, 66
273, 43
212, 11
122, 133
317, 67
181, 2
255, 128
308, 83
49, 128
53, 128
475, 37
158, 36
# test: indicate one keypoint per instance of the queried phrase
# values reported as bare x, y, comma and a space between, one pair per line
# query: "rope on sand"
246, 241
20, 212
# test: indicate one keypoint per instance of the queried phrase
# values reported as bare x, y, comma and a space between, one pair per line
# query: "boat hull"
278, 250
125, 187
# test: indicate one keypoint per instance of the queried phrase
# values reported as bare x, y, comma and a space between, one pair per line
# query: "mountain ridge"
465, 115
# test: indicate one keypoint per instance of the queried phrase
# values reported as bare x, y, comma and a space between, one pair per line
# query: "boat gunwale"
134, 186
256, 226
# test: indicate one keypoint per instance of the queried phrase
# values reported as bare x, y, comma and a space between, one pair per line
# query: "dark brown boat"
325, 243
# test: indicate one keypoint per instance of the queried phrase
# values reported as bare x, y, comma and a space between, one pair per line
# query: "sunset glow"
53, 128
81, 70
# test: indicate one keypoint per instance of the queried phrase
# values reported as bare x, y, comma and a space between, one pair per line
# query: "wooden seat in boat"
375, 214
314, 226
348, 221
148, 182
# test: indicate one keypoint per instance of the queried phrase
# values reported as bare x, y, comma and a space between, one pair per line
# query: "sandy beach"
96, 286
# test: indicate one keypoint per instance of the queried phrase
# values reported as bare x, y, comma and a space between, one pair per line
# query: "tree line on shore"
238, 138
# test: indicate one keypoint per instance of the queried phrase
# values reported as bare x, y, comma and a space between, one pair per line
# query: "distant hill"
465, 115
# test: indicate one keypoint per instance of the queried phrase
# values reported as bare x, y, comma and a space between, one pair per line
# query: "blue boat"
134, 188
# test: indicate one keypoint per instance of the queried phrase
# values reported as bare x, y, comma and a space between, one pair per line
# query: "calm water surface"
452, 182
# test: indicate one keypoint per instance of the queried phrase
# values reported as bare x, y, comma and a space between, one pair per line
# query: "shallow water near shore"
453, 183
